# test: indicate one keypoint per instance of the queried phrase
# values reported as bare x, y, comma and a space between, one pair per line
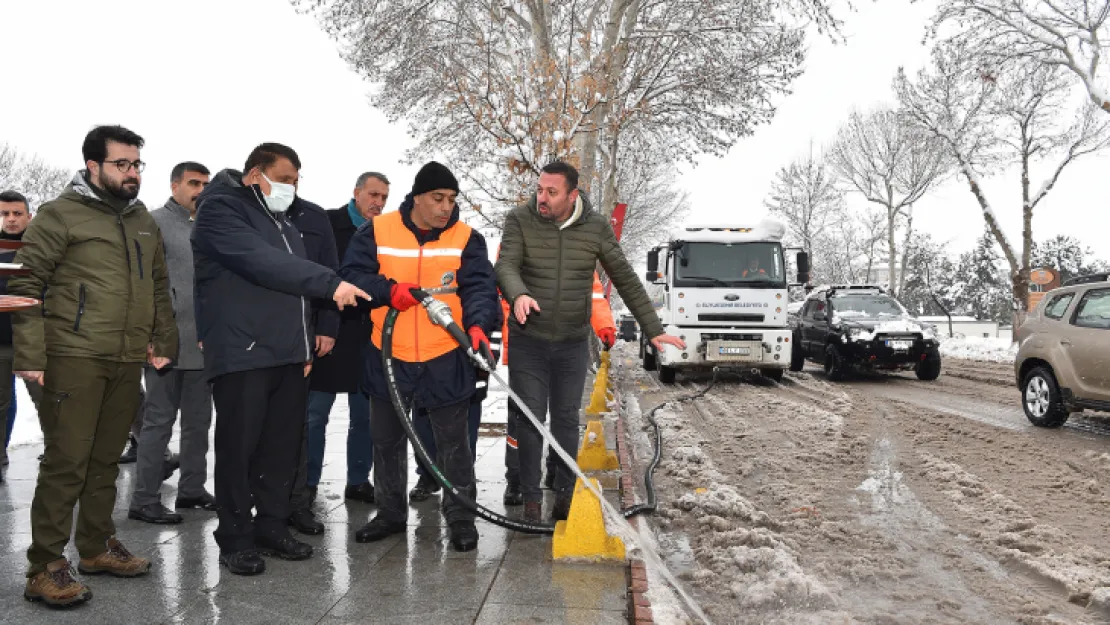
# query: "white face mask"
281, 196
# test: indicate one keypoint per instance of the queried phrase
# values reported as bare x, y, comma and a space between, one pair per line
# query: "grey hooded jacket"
177, 226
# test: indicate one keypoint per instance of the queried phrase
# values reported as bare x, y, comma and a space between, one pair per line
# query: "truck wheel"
666, 374
1040, 397
929, 369
649, 357
797, 356
773, 374
835, 369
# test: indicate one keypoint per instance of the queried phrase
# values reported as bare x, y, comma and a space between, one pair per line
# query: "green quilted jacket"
554, 264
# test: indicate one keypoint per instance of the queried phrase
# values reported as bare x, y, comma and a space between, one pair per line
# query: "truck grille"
731, 336
731, 317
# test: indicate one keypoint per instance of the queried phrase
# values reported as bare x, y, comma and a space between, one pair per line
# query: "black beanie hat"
434, 176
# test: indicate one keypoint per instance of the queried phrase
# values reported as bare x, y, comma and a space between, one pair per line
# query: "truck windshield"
751, 265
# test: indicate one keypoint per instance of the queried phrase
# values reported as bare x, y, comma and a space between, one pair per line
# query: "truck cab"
724, 290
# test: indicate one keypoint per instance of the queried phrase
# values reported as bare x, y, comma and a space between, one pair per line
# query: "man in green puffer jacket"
97, 263
549, 251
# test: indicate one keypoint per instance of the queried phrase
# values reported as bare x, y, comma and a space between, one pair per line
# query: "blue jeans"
360, 449
423, 426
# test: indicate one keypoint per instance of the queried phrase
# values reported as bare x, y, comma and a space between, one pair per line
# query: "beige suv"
1063, 365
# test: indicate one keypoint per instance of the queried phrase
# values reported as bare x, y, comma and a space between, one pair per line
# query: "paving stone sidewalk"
414, 578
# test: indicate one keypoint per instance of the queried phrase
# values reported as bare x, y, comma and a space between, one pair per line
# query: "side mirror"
803, 267
651, 276
653, 262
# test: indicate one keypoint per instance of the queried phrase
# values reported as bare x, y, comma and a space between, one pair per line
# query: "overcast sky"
209, 79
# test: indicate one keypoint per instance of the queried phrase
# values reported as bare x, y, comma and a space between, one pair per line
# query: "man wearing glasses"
97, 263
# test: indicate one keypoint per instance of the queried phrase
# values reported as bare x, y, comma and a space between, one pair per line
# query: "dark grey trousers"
449, 425
167, 392
544, 375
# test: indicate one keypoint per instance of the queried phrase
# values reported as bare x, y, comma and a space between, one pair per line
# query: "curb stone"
639, 606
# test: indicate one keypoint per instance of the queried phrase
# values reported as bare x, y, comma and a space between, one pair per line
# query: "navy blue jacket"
450, 378
253, 283
319, 246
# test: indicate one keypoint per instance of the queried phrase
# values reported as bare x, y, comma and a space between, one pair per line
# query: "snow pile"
735, 548
976, 348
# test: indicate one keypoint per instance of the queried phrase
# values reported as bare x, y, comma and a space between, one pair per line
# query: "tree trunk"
906, 250
999, 236
892, 249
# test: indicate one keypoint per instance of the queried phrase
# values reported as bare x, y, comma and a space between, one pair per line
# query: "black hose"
649, 475
418, 447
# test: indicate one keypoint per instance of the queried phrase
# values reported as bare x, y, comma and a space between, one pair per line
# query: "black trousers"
259, 427
449, 427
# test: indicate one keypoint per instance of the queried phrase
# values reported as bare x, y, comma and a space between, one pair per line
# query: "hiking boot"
246, 562
512, 495
561, 510
425, 487
464, 536
131, 454
117, 561
56, 586
533, 512
284, 547
360, 492
155, 513
377, 529
204, 502
304, 521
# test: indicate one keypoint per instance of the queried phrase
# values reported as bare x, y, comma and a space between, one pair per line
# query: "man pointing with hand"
550, 249
253, 295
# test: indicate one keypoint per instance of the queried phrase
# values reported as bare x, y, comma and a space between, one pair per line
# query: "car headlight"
855, 333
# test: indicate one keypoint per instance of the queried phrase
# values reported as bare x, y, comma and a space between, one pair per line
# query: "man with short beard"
97, 262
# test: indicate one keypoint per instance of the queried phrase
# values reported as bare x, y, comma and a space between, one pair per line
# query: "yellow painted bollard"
594, 455
598, 397
583, 535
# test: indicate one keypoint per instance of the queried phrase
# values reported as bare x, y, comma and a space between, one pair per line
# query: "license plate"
735, 351
900, 346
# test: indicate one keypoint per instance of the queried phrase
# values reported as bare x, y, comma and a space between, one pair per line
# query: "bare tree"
989, 121
31, 176
498, 88
1072, 34
806, 197
889, 163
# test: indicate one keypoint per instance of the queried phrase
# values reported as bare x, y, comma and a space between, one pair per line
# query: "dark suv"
862, 327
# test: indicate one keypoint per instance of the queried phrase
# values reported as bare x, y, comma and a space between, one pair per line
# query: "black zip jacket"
253, 283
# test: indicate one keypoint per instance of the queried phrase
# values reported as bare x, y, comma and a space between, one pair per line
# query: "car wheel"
1040, 397
649, 356
773, 374
929, 369
797, 356
835, 369
667, 374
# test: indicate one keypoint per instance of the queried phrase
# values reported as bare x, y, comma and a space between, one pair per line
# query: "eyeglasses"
125, 165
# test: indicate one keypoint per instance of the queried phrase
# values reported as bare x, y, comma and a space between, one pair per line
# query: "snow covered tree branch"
891, 164
31, 176
1072, 34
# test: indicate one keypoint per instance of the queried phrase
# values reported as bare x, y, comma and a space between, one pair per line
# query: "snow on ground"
975, 348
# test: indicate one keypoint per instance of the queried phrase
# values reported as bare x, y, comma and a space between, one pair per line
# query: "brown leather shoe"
117, 560
533, 511
57, 587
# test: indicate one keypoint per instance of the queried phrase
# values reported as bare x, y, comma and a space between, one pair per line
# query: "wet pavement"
411, 578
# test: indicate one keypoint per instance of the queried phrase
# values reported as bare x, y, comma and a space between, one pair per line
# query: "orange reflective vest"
434, 265
601, 317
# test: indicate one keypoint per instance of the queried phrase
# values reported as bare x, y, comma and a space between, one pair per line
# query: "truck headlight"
854, 333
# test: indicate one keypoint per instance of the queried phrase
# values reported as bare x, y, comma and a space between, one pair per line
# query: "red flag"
617, 221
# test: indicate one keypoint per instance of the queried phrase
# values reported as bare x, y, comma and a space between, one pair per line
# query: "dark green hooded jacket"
98, 265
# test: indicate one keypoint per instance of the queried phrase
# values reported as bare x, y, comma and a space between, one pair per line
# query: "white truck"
724, 291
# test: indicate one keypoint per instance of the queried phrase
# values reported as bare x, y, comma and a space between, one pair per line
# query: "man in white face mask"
254, 292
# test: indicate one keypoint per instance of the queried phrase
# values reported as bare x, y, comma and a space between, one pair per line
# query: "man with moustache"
339, 371
98, 264
15, 215
183, 387
423, 245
